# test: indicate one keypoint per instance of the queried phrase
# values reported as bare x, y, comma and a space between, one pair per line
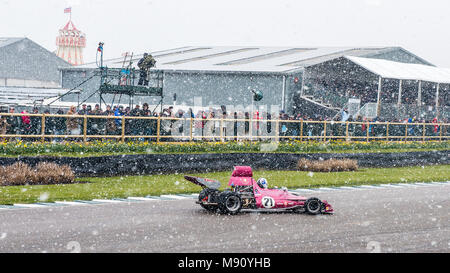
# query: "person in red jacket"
436, 126
26, 123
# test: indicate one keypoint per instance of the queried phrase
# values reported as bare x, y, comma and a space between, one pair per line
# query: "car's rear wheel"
313, 206
230, 203
203, 196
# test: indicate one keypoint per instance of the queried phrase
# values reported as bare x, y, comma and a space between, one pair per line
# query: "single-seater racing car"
246, 193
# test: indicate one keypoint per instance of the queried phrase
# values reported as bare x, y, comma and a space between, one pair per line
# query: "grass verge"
125, 186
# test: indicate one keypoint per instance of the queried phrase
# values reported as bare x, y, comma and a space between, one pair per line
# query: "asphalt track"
413, 218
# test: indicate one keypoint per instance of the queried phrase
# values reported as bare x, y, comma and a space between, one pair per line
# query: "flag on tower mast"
69, 11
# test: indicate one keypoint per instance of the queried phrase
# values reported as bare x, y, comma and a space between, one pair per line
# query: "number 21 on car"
268, 202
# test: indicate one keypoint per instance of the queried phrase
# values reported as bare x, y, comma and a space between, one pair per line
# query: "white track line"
439, 183
31, 206
107, 201
70, 203
390, 186
369, 187
142, 199
421, 184
349, 188
170, 196
189, 196
305, 190
407, 185
328, 189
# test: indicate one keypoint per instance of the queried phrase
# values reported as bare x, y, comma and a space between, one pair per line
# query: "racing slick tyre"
313, 206
204, 194
230, 203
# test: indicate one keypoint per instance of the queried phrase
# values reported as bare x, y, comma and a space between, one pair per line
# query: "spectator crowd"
289, 125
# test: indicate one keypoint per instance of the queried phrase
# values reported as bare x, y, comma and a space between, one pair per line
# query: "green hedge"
112, 147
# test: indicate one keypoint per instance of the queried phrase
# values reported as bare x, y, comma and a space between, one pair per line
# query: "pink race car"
246, 193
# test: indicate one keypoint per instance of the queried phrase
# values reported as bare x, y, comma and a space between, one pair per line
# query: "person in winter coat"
3, 127
118, 113
435, 127
73, 124
360, 128
49, 123
96, 123
26, 124
35, 123
146, 124
411, 131
136, 124
110, 125
165, 128
60, 124
14, 123
247, 124
144, 64
179, 123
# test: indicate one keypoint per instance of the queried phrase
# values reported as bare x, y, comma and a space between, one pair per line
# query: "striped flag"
68, 10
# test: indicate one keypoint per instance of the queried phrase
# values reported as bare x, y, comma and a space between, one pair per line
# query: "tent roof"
243, 58
403, 71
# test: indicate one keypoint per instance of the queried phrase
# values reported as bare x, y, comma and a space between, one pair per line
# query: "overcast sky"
422, 27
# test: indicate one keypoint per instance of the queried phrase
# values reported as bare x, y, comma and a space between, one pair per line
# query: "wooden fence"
169, 129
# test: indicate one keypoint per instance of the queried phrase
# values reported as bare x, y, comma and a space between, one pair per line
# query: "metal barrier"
42, 127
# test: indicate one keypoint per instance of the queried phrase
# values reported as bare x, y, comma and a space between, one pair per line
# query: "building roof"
5, 41
403, 71
23, 59
246, 59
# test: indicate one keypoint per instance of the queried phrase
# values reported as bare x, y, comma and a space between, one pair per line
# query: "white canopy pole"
419, 95
303, 82
399, 100
379, 96
283, 94
437, 96
251, 119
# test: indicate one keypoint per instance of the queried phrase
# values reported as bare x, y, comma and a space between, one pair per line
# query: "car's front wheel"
313, 206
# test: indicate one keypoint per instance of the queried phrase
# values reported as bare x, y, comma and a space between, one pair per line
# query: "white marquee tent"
403, 71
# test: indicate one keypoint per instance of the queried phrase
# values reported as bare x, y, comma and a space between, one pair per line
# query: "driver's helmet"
262, 182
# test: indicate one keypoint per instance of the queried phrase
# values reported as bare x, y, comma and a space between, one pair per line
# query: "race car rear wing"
203, 182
